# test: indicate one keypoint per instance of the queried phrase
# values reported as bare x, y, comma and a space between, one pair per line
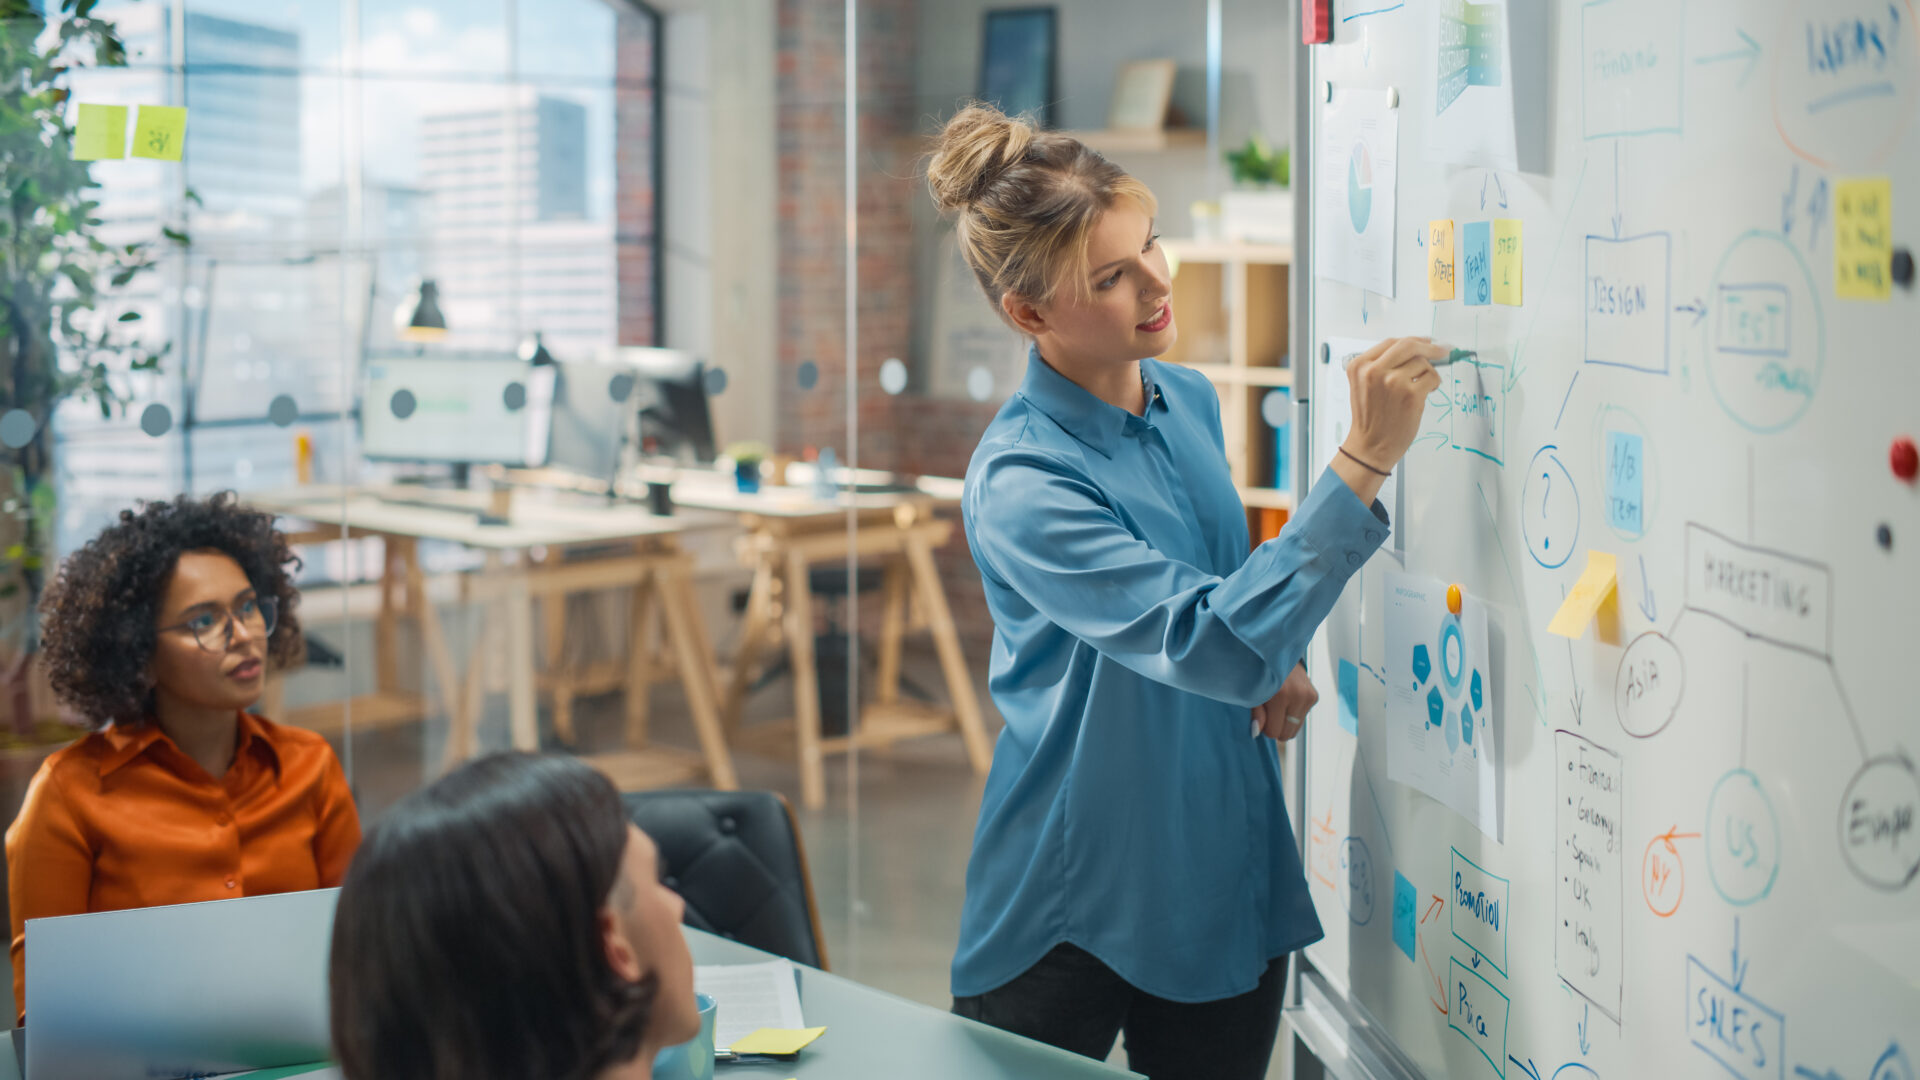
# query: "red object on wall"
1904, 458
1316, 21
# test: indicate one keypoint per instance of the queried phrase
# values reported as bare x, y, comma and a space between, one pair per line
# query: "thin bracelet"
1364, 465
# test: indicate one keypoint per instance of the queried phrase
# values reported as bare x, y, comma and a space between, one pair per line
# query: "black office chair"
736, 858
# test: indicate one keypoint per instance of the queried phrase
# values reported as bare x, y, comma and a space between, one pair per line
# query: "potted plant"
747, 457
1259, 209
60, 338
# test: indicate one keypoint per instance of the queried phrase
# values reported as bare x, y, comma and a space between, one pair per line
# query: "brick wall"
634, 182
911, 433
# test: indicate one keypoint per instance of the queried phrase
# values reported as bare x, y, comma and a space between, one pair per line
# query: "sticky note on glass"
1506, 261
1863, 238
1476, 263
1625, 483
1440, 260
159, 131
776, 1040
100, 133
1595, 598
1404, 900
1350, 697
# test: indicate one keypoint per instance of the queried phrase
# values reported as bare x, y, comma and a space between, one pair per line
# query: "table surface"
709, 489
871, 1033
550, 519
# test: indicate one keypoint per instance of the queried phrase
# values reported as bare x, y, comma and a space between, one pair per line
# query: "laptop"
187, 990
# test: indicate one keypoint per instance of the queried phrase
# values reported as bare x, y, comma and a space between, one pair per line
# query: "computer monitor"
472, 409
592, 406
670, 391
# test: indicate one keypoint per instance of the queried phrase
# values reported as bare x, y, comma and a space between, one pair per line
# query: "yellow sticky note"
1595, 598
100, 133
159, 131
1506, 261
1440, 259
1863, 238
776, 1040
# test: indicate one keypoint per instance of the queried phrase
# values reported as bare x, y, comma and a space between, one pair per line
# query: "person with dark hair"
158, 632
507, 921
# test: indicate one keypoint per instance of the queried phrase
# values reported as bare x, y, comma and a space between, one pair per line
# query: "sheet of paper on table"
750, 997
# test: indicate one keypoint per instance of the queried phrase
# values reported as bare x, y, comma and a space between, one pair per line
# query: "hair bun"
975, 148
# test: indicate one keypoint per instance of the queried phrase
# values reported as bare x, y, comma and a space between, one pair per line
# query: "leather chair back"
736, 858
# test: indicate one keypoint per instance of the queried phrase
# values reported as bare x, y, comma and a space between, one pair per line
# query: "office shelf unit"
1230, 302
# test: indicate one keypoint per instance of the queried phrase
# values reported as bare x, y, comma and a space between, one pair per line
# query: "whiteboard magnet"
1326, 89
1393, 97
1326, 353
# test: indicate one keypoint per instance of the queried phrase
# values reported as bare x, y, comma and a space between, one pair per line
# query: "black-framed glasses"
213, 630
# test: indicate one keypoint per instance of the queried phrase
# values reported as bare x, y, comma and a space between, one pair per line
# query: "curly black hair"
98, 615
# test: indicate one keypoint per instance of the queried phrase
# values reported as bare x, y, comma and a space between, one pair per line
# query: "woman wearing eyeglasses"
159, 632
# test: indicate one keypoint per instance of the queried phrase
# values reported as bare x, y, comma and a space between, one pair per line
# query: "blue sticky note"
1625, 482
1350, 697
1476, 263
1405, 899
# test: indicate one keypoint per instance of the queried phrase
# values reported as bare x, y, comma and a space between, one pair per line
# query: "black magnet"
1885, 536
1903, 267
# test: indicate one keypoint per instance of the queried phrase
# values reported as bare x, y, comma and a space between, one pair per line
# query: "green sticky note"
159, 131
100, 133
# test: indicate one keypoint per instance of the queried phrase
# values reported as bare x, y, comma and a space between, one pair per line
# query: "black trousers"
1071, 1000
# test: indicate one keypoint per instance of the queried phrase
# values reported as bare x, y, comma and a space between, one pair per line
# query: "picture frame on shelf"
1142, 96
1018, 60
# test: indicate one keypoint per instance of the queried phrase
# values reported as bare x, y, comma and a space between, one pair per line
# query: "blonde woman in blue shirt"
1133, 868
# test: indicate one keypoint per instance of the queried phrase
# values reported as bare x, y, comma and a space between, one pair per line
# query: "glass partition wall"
613, 375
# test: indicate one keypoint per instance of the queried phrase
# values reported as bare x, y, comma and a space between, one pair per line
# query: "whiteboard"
1706, 858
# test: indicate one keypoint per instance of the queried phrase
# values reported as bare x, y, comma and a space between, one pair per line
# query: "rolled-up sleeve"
1047, 532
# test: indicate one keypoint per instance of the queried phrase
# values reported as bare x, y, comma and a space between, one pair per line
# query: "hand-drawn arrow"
1739, 971
1750, 52
1502, 189
1579, 697
1440, 988
1439, 439
1476, 961
1618, 217
1788, 200
1673, 834
1648, 606
1363, 306
1816, 212
1586, 1014
1808, 1074
1698, 309
1513, 371
1526, 1065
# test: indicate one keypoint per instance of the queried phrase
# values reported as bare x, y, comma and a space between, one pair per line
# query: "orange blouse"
123, 818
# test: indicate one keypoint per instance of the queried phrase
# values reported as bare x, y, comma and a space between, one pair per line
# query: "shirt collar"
1078, 411
126, 742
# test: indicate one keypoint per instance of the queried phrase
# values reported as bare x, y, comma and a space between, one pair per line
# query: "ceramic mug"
693, 1059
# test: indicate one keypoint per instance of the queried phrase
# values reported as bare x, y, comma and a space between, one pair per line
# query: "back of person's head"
469, 940
1024, 200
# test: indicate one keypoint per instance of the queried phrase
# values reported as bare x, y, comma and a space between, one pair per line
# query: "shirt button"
229, 883
1353, 558
223, 820
1373, 536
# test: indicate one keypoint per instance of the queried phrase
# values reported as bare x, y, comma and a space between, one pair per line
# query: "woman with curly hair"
159, 631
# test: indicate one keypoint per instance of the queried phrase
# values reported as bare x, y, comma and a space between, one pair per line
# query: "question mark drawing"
1546, 542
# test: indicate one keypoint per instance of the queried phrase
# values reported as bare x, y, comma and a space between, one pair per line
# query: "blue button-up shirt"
1128, 811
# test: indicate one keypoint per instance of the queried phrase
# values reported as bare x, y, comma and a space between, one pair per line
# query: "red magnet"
1904, 458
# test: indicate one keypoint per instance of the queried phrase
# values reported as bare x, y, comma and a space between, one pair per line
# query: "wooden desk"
788, 531
656, 568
